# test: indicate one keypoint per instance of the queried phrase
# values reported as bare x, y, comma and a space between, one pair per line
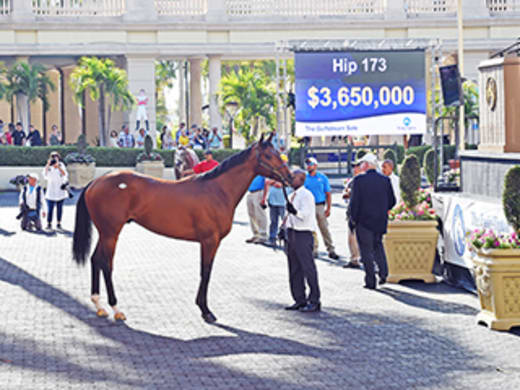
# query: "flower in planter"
148, 155
81, 156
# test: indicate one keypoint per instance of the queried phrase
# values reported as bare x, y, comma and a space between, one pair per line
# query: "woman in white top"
112, 142
56, 175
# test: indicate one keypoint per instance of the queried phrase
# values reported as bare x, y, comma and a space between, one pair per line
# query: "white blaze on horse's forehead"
122, 186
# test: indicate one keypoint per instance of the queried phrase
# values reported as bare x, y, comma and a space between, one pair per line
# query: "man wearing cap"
318, 184
372, 198
206, 165
301, 223
31, 204
257, 214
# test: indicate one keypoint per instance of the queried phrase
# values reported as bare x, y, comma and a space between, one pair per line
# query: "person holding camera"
57, 178
31, 205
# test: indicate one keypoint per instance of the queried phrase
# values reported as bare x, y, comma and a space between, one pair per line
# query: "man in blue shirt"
273, 193
257, 215
317, 183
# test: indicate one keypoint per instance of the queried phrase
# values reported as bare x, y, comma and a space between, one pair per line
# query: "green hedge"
105, 157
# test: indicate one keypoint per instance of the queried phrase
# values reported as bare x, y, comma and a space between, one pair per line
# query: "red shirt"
205, 166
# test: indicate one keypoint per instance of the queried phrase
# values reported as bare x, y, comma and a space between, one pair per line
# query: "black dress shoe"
352, 264
382, 281
333, 255
296, 306
369, 287
311, 307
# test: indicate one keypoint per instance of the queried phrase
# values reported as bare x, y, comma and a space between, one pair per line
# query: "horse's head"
269, 161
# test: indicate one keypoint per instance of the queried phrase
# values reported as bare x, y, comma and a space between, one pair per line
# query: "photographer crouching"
31, 204
57, 182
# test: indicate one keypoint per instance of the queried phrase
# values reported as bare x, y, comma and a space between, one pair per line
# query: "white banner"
390, 124
461, 215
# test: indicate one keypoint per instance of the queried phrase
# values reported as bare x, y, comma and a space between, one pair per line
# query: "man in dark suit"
372, 197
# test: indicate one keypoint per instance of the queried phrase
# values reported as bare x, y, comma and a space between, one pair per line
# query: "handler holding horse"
198, 208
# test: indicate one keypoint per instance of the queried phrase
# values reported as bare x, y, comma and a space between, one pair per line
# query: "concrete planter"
497, 276
151, 168
81, 174
410, 250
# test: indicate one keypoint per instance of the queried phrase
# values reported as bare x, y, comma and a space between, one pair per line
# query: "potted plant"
149, 162
19, 181
412, 235
496, 263
81, 166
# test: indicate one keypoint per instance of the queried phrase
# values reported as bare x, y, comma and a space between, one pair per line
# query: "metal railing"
238, 8
5, 7
181, 7
79, 7
501, 7
435, 7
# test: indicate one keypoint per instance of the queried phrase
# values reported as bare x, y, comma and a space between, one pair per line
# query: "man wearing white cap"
317, 183
372, 197
31, 203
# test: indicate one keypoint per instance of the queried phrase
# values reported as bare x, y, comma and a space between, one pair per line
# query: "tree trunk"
109, 118
101, 115
23, 110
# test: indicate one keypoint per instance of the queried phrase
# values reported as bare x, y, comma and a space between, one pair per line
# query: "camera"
66, 187
53, 161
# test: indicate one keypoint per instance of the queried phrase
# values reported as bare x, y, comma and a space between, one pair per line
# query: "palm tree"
255, 95
106, 84
165, 73
28, 82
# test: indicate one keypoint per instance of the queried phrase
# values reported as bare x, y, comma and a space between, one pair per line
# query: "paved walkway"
408, 336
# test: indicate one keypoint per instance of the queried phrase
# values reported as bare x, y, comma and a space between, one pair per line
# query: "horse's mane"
227, 164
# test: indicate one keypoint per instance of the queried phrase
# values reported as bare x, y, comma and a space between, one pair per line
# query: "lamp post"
460, 34
231, 111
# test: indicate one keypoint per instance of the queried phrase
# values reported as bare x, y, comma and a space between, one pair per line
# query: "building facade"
136, 33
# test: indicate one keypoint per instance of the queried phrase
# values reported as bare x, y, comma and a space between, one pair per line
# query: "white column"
395, 9
141, 75
195, 92
215, 119
182, 92
22, 10
216, 11
139, 10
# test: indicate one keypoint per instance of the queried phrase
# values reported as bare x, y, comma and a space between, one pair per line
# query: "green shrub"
148, 154
410, 181
80, 156
429, 166
294, 156
389, 154
511, 197
400, 153
418, 151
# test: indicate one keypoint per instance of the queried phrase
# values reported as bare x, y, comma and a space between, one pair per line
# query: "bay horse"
198, 208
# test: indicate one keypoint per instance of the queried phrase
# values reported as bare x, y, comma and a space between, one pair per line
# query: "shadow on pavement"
133, 345
426, 303
6, 233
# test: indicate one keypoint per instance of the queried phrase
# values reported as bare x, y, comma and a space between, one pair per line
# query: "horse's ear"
271, 134
261, 139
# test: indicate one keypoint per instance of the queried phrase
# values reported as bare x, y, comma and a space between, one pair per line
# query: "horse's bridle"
270, 168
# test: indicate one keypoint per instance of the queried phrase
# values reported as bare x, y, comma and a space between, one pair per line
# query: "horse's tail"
82, 231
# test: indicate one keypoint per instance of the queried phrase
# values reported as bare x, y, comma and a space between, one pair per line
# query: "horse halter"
270, 168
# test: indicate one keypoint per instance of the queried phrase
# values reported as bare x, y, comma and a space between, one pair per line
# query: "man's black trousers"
301, 266
372, 251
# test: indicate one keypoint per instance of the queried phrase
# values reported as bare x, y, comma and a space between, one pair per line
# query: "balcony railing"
79, 7
435, 7
181, 7
5, 7
501, 7
299, 8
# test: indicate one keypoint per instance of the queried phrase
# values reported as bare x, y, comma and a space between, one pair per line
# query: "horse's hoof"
119, 316
209, 318
102, 313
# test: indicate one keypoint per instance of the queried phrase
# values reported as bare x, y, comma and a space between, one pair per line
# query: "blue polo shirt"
257, 184
319, 185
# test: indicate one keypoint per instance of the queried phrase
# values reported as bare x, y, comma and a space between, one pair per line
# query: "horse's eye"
268, 156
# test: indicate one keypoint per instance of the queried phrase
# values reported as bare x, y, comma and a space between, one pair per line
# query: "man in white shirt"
388, 170
31, 203
301, 222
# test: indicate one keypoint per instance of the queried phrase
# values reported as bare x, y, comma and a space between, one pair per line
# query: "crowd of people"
15, 134
304, 209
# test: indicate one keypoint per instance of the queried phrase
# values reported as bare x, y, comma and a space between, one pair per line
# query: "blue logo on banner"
458, 231
407, 121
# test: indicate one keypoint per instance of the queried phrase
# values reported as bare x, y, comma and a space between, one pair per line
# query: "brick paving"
407, 336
